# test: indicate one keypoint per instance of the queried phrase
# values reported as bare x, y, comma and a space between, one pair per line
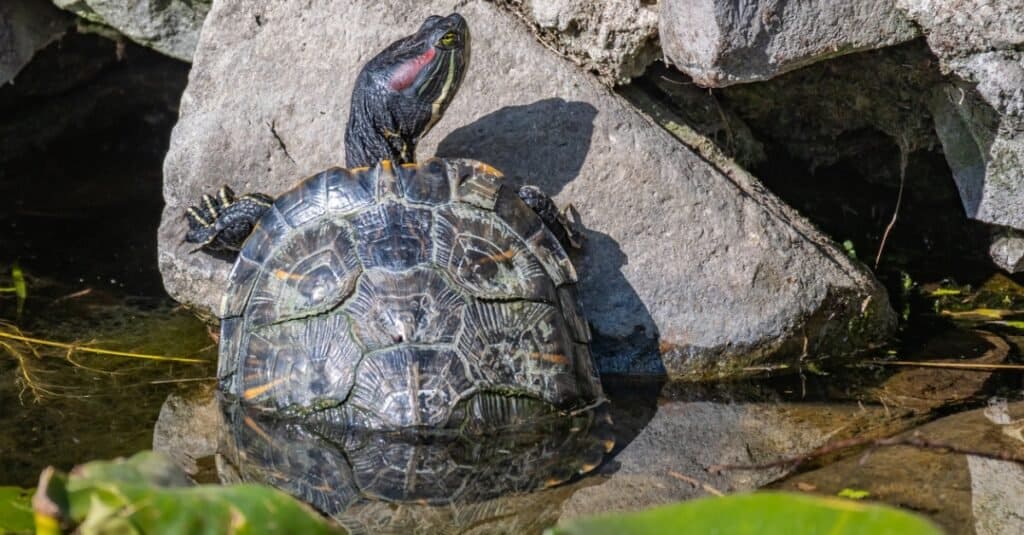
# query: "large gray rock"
709, 265
25, 27
615, 39
167, 26
980, 118
725, 42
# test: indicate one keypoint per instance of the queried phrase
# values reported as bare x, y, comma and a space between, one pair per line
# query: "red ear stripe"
408, 71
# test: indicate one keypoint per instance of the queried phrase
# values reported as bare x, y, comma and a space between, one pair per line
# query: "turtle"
395, 294
373, 482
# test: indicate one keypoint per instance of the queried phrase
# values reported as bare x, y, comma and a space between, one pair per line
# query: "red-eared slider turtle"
374, 482
403, 295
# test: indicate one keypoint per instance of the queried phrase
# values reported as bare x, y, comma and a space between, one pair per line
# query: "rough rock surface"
25, 27
167, 26
725, 42
615, 39
708, 267
980, 120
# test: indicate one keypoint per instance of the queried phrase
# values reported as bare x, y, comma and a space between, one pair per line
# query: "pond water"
80, 220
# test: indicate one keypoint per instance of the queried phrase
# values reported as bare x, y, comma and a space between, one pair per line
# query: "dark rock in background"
170, 27
725, 42
26, 26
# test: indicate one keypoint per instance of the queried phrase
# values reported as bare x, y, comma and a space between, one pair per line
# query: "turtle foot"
219, 224
567, 231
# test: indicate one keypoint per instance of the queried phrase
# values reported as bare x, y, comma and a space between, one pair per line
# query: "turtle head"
403, 91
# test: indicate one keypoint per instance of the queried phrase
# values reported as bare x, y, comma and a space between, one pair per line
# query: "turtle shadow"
546, 144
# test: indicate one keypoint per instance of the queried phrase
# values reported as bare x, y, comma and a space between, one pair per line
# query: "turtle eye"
448, 39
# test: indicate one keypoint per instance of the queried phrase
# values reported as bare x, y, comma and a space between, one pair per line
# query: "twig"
185, 380
967, 366
98, 351
899, 199
696, 483
791, 463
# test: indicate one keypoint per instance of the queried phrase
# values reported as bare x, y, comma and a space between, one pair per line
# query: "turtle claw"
558, 221
219, 224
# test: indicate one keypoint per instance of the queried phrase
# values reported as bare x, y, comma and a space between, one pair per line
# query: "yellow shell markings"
554, 358
256, 391
281, 274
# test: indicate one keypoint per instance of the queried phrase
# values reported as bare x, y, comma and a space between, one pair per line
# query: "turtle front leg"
220, 224
565, 230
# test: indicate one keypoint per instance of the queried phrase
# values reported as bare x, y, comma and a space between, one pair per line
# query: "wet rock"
668, 460
725, 42
1007, 250
615, 39
702, 263
26, 26
963, 493
167, 26
923, 389
188, 430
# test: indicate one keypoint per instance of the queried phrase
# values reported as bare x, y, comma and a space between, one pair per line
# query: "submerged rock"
26, 26
725, 42
963, 493
706, 266
668, 460
167, 26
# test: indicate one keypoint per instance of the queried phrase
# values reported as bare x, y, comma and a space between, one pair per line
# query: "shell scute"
415, 306
519, 344
311, 272
350, 191
487, 258
409, 387
240, 283
306, 201
426, 183
299, 363
552, 256
393, 236
476, 185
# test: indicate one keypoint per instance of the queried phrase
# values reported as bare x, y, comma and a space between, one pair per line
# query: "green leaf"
853, 494
147, 493
15, 510
761, 513
850, 251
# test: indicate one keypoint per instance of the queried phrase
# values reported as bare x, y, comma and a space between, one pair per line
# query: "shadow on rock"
544, 143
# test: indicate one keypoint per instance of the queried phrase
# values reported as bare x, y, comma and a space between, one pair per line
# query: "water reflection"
375, 482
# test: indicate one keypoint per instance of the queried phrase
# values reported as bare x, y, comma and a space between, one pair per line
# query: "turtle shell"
400, 295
